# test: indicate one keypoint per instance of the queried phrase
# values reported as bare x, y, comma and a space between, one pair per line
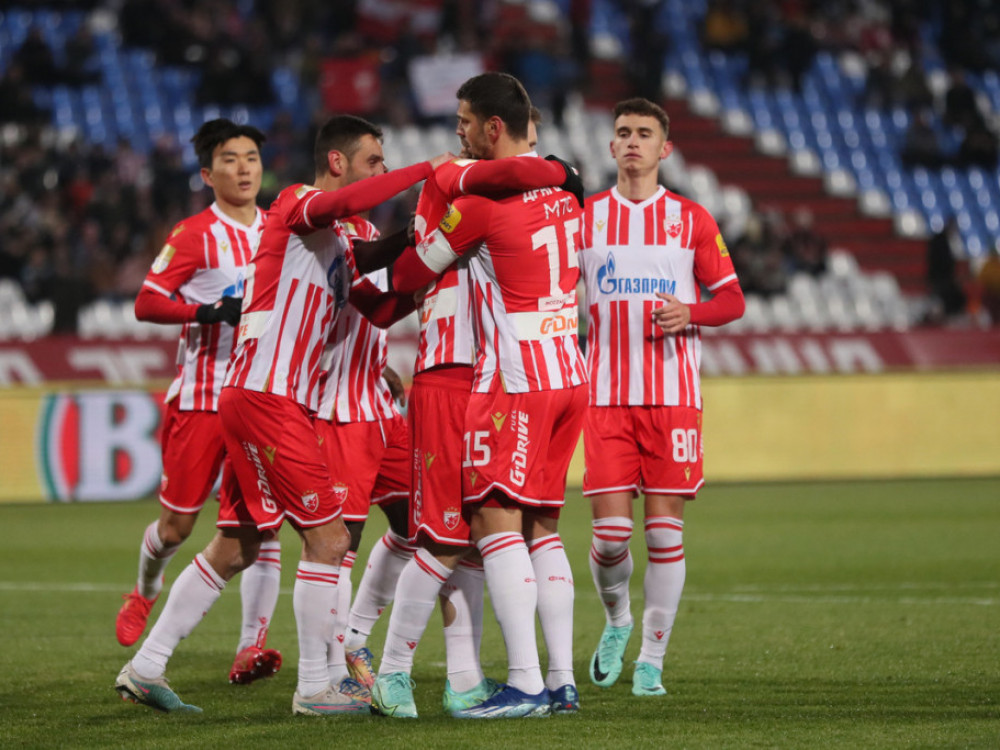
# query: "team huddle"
282, 386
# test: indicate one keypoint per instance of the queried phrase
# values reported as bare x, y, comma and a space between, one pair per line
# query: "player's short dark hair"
646, 108
498, 95
216, 132
536, 115
342, 133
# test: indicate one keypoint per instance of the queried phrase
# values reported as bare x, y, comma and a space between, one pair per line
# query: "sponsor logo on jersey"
608, 282
498, 420
519, 458
235, 290
723, 250
164, 258
340, 493
338, 277
451, 518
263, 486
451, 219
558, 322
673, 225
311, 501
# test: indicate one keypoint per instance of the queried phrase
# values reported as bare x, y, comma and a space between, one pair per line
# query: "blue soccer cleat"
564, 700
508, 703
609, 658
454, 702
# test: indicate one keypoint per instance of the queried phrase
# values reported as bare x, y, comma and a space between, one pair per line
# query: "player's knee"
326, 544
611, 537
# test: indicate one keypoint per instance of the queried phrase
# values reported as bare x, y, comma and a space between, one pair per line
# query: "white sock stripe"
473, 566
664, 522
546, 543
208, 574
665, 559
608, 561
154, 546
496, 543
349, 558
271, 560
396, 544
319, 573
431, 566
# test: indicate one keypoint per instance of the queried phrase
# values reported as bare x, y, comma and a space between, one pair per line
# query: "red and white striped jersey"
352, 388
666, 243
524, 278
296, 286
446, 336
204, 259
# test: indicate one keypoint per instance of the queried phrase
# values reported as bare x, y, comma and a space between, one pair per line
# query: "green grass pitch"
846, 614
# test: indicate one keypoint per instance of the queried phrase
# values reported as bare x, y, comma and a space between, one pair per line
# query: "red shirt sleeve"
726, 306
492, 177
462, 229
317, 209
159, 300
381, 308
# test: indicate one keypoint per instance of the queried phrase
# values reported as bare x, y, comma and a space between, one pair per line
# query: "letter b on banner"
101, 445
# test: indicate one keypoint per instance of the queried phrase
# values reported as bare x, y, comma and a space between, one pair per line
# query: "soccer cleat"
329, 702
646, 680
350, 686
392, 695
153, 693
132, 617
564, 700
454, 702
609, 658
359, 664
254, 663
508, 703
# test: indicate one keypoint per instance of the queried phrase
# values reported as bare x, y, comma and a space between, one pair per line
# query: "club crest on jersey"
723, 250
340, 493
449, 222
164, 258
673, 226
451, 518
311, 501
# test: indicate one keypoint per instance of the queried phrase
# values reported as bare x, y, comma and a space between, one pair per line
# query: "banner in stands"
84, 445
117, 363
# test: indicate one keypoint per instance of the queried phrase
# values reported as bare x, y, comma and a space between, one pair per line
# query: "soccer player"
197, 280
525, 411
646, 253
297, 284
363, 434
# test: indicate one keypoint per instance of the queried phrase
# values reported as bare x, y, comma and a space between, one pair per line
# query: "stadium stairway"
773, 186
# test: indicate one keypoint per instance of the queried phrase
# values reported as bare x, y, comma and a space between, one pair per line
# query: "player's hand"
226, 310
672, 317
395, 383
573, 183
440, 159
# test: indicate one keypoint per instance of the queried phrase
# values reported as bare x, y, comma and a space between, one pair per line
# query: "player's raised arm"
494, 178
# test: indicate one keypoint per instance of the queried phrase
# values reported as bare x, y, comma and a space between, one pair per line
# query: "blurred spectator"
979, 148
649, 48
725, 26
881, 88
799, 49
960, 107
922, 147
36, 60
16, 102
946, 294
803, 248
82, 66
757, 256
988, 281
914, 92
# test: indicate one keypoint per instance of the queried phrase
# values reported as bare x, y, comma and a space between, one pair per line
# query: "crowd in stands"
81, 221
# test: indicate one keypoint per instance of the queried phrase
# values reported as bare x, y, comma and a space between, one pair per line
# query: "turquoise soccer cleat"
609, 658
646, 681
392, 695
153, 693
